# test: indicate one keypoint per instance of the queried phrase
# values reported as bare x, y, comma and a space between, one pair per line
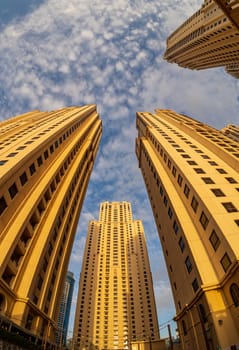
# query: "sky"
56, 53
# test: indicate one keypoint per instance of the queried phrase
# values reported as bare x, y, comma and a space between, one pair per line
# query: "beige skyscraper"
209, 38
115, 304
45, 163
191, 172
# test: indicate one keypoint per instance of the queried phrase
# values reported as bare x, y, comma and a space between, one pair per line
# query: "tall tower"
209, 38
115, 303
46, 160
191, 172
65, 308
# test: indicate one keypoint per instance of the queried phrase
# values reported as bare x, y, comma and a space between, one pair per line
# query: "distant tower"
209, 38
65, 308
46, 160
191, 172
115, 304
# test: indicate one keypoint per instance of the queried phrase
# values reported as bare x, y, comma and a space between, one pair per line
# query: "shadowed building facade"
191, 174
46, 159
115, 304
209, 38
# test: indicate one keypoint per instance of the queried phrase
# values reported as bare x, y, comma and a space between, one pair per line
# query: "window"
234, 291
195, 285
13, 190
180, 180
192, 162
202, 311
188, 264
221, 171
3, 204
230, 208
23, 178
174, 171
185, 332
204, 220
186, 191
217, 192
165, 200
208, 180
214, 239
225, 262
181, 244
199, 170
231, 180
32, 168
46, 155
39, 161
170, 213
194, 204
211, 162
175, 227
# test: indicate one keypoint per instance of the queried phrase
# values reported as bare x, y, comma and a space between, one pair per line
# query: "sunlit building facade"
115, 304
209, 38
46, 160
191, 172
65, 309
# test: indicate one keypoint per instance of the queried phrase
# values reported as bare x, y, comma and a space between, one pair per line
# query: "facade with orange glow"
209, 38
191, 172
115, 304
46, 159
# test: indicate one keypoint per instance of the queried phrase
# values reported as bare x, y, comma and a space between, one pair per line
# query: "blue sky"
55, 53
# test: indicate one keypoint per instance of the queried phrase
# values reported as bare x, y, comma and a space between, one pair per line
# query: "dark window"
169, 163
51, 149
185, 332
194, 204
226, 262
217, 192
214, 239
221, 171
13, 190
191, 162
165, 200
237, 222
195, 285
46, 155
188, 264
181, 244
13, 154
199, 170
175, 227
234, 291
3, 204
230, 208
39, 161
203, 315
2, 162
231, 180
174, 171
186, 191
32, 168
208, 180
170, 213
185, 155
204, 220
180, 180
211, 162
23, 178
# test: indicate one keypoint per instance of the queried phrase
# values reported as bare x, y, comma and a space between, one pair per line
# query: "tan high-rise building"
191, 172
45, 163
209, 38
115, 304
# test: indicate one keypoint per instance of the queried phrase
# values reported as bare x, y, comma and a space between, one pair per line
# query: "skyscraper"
65, 308
45, 162
209, 38
191, 173
115, 304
